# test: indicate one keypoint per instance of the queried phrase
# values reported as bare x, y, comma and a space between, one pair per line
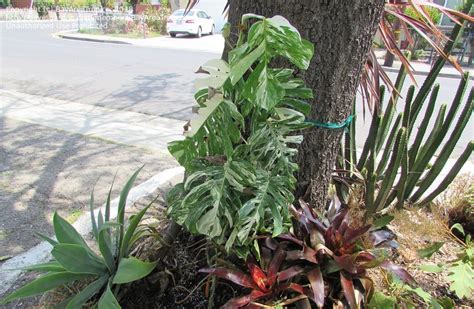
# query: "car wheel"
212, 30
173, 35
199, 33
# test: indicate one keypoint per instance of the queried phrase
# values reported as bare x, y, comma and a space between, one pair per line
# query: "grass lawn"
130, 35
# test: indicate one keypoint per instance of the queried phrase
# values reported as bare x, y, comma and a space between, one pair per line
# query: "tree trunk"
342, 33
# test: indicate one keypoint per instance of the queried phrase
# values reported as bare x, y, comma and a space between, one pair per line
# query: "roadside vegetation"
236, 233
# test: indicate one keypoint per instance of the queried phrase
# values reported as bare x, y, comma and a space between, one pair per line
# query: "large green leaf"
45, 267
121, 206
76, 259
108, 300
380, 300
44, 284
134, 221
106, 249
83, 296
272, 197
218, 72
427, 252
66, 233
213, 132
132, 269
462, 279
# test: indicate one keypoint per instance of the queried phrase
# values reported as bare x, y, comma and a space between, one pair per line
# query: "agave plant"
74, 260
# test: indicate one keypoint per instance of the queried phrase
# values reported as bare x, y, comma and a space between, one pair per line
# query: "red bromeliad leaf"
352, 234
348, 289
289, 273
398, 271
258, 277
346, 262
291, 238
274, 266
317, 286
235, 276
243, 301
341, 216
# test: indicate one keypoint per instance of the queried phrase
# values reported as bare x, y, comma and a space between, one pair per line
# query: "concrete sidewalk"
118, 126
209, 43
423, 68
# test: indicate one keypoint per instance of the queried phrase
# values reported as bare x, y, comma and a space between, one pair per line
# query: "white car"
195, 22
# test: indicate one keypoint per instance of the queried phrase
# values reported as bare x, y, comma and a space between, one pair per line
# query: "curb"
77, 37
424, 73
69, 37
41, 252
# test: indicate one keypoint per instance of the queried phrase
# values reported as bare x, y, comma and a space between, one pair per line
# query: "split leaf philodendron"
74, 260
239, 154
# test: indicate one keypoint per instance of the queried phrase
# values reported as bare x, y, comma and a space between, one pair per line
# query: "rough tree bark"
342, 33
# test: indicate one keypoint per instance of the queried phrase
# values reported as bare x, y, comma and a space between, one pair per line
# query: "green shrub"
156, 19
75, 260
5, 3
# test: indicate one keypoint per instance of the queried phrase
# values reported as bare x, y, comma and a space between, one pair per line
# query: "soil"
43, 170
177, 282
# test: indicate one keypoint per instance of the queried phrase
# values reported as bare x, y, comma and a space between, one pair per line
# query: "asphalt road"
147, 80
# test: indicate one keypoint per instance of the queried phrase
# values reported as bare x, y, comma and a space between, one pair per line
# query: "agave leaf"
44, 284
235, 276
95, 230
76, 259
107, 202
87, 293
46, 238
122, 203
66, 234
132, 269
45, 267
105, 248
126, 244
108, 300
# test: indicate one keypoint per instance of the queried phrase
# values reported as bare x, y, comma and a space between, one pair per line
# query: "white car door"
206, 22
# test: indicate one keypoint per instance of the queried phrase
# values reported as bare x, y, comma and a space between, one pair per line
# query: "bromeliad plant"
324, 260
74, 260
238, 154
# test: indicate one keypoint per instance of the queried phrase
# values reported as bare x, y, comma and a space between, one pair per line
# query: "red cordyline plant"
323, 260
424, 26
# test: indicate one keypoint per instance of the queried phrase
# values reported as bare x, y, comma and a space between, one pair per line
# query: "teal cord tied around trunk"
332, 125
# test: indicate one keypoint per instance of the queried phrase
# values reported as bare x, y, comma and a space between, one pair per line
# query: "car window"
204, 15
181, 13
